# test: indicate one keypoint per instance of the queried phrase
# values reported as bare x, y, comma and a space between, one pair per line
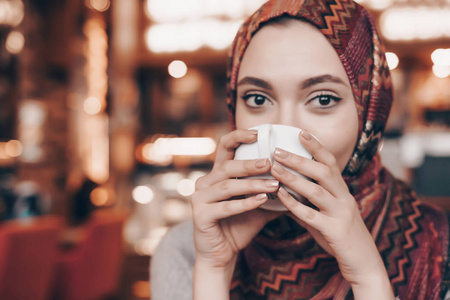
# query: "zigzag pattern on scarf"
283, 280
411, 238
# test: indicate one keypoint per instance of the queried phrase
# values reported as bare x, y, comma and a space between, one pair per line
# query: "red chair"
28, 256
91, 270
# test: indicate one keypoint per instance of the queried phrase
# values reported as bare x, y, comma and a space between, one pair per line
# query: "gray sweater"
172, 264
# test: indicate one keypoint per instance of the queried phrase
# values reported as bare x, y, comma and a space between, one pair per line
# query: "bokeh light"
92, 106
15, 42
186, 187
13, 148
100, 5
392, 60
177, 69
143, 194
99, 196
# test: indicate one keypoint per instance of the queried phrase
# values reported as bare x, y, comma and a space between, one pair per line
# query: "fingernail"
261, 197
283, 192
279, 169
261, 163
272, 183
253, 131
306, 135
281, 153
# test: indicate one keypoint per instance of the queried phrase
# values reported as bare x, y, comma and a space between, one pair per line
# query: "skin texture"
297, 79
291, 82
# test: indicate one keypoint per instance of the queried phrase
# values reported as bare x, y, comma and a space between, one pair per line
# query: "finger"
318, 152
304, 213
233, 169
237, 168
229, 142
316, 194
244, 168
228, 208
327, 177
230, 188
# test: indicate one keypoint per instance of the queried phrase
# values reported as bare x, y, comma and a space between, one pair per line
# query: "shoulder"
180, 239
172, 264
176, 246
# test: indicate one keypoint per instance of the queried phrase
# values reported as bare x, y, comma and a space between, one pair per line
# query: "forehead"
291, 48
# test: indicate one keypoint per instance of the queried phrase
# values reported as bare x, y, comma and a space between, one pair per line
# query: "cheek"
340, 140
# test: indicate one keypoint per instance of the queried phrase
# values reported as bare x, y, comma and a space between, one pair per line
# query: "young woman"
319, 66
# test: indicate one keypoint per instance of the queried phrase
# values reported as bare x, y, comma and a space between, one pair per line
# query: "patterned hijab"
284, 261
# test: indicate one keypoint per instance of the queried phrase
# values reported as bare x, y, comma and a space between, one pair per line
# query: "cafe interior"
110, 110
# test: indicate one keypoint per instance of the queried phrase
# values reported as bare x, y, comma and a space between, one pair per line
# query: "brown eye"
256, 100
259, 100
324, 100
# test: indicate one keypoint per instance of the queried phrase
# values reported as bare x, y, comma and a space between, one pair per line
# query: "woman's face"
290, 74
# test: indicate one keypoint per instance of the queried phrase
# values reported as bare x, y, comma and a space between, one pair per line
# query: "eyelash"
248, 96
329, 97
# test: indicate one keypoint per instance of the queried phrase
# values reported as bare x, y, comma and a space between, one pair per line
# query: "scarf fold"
284, 261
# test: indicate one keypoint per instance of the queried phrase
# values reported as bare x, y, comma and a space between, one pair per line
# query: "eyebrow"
303, 85
320, 79
255, 81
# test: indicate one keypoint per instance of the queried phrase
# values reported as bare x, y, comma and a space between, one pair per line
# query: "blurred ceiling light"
186, 187
441, 57
15, 42
411, 23
441, 71
100, 5
92, 106
143, 194
150, 154
99, 196
177, 69
185, 146
179, 10
11, 12
13, 148
392, 60
191, 36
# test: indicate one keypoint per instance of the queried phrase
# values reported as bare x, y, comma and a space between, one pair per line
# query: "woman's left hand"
337, 225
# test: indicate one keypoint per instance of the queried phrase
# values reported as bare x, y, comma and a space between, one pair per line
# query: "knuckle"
227, 206
224, 185
327, 174
228, 167
317, 192
221, 140
311, 214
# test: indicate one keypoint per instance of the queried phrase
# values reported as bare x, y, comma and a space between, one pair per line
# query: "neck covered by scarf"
284, 261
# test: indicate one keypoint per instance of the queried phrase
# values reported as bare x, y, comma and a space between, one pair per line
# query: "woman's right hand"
225, 221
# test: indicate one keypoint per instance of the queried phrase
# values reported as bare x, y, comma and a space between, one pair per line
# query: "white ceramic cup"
271, 136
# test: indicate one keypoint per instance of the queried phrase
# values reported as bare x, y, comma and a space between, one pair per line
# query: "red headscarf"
283, 261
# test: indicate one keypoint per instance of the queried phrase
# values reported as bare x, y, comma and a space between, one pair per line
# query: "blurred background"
111, 109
